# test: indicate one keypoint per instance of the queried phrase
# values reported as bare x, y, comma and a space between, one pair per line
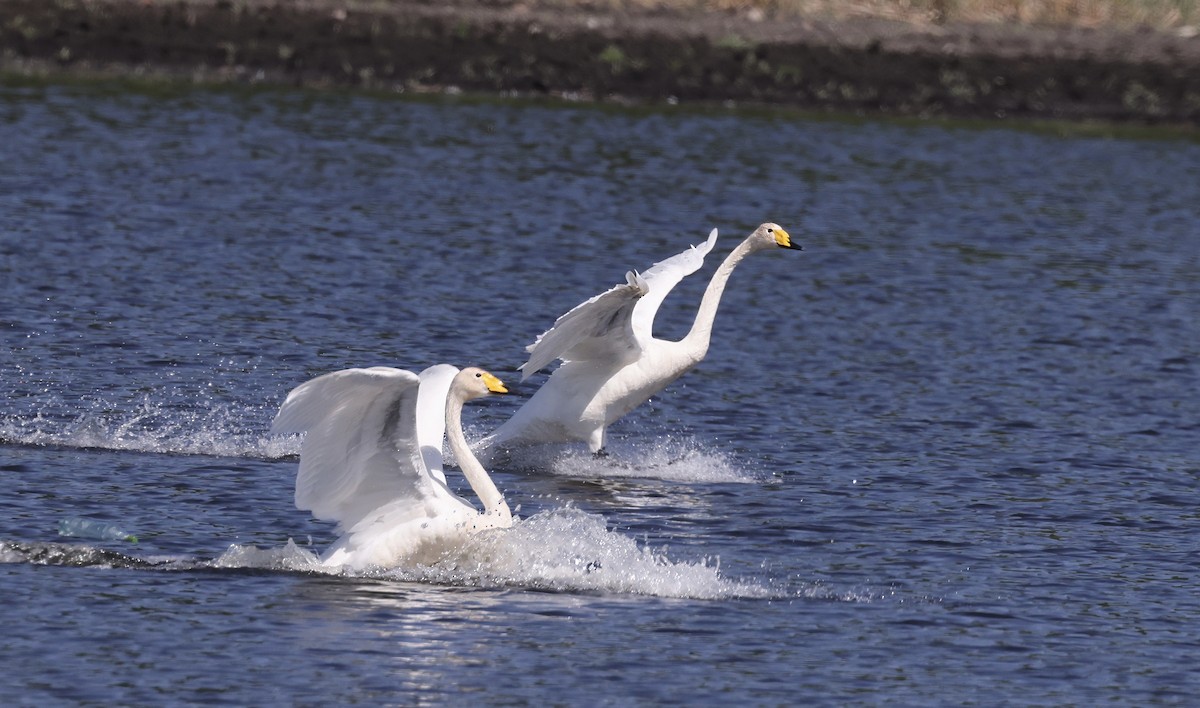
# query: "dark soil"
863, 66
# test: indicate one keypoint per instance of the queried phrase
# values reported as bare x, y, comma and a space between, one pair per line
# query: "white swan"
371, 460
611, 361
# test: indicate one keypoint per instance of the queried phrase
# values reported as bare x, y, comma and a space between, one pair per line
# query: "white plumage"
611, 361
371, 460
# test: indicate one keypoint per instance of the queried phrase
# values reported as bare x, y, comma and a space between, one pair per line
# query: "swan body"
371, 460
612, 363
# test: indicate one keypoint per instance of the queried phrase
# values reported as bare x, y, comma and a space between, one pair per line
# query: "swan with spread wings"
371, 460
611, 362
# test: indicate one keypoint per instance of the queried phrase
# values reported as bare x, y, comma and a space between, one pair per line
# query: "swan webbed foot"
605, 459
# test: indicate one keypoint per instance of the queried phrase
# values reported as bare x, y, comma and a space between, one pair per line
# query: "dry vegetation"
1183, 15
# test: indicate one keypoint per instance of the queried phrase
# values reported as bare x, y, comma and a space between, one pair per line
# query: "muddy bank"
863, 66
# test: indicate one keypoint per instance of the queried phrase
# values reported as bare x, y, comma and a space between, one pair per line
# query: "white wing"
662, 277
617, 324
431, 415
361, 448
600, 328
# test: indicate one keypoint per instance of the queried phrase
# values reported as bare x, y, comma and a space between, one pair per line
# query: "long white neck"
698, 337
477, 477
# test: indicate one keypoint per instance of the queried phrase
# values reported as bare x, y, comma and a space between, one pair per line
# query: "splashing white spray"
155, 426
563, 550
667, 459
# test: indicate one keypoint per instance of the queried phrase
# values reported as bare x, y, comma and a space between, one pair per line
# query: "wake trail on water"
222, 430
562, 550
669, 459
84, 556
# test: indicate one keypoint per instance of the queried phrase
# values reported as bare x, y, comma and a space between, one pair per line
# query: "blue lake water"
949, 453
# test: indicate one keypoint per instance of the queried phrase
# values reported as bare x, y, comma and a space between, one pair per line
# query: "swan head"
770, 235
473, 382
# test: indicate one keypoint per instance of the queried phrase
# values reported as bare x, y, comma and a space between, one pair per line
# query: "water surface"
948, 453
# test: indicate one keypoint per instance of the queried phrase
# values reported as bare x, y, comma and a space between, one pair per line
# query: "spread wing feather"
361, 448
599, 328
662, 277
616, 325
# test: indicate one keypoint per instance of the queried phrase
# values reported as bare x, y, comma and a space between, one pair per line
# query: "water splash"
289, 557
564, 550
668, 459
568, 550
155, 426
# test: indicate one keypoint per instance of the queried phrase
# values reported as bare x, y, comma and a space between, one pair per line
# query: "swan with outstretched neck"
612, 363
371, 460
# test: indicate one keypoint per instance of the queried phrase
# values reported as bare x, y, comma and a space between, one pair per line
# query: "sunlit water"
947, 454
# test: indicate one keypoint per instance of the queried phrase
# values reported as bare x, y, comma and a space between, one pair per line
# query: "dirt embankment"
865, 66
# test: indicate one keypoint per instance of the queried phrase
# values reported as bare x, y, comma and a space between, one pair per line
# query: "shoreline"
863, 67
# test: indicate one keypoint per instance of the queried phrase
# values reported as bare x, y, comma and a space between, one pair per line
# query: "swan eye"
770, 231
479, 376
